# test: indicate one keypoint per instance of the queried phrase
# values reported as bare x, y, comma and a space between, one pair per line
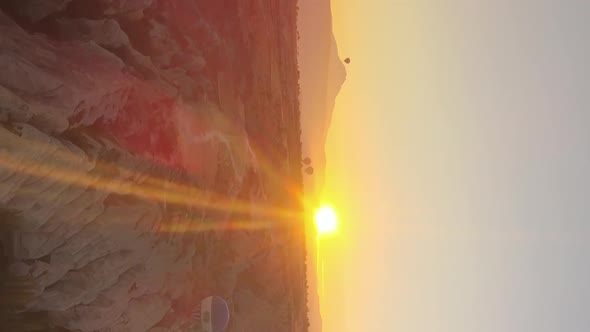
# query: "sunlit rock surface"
149, 157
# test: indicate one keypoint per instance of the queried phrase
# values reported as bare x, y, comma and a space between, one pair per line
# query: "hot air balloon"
307, 161
212, 314
309, 170
347, 60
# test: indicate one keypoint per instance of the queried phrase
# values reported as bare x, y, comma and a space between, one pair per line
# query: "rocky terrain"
150, 156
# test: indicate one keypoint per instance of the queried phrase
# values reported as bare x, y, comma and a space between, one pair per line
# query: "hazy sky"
459, 157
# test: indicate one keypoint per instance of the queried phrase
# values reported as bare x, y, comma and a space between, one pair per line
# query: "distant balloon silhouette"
347, 60
212, 314
309, 170
307, 161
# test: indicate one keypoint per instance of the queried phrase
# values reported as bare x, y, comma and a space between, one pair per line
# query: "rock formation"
150, 156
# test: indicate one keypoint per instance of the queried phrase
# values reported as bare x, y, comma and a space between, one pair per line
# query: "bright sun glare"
326, 221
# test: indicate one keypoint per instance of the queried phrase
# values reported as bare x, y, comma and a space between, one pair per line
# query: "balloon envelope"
347, 60
214, 314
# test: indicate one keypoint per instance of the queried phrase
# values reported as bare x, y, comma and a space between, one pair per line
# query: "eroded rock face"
36, 10
143, 148
105, 32
120, 7
63, 84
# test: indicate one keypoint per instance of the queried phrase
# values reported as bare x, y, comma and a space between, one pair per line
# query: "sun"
326, 220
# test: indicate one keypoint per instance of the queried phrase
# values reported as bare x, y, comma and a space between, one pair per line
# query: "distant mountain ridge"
321, 78
322, 74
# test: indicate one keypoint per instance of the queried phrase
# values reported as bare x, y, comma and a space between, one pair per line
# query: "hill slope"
322, 76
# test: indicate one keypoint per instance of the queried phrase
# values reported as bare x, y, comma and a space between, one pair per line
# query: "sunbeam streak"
65, 167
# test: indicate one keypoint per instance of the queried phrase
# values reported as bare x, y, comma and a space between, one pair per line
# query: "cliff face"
145, 147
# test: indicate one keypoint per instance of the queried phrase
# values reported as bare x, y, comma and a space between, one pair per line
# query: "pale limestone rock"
122, 7
13, 108
142, 314
78, 82
104, 261
105, 32
103, 311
